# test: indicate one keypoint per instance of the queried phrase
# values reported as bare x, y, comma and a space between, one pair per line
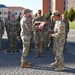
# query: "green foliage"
72, 25
48, 14
66, 14
71, 14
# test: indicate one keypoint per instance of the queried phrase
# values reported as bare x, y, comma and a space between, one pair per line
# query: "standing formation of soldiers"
41, 31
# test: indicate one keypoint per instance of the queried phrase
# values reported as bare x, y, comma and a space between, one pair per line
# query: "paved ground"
10, 63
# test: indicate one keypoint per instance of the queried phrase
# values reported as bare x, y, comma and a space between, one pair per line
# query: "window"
16, 13
0, 13
66, 5
5, 13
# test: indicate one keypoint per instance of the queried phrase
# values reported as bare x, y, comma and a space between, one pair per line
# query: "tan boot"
60, 68
55, 64
25, 65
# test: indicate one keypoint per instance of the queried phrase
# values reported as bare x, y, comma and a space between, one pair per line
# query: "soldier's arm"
2, 27
8, 26
68, 27
43, 19
61, 31
33, 20
18, 26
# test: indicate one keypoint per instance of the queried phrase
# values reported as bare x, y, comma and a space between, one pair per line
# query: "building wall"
52, 5
71, 3
59, 6
45, 6
4, 13
16, 12
53, 8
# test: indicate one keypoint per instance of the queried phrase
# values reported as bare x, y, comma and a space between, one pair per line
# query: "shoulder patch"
61, 27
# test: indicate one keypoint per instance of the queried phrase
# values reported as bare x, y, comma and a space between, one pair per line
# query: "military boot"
38, 55
47, 48
55, 64
60, 68
30, 50
25, 65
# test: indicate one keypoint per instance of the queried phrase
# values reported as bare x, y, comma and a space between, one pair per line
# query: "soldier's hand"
37, 22
51, 35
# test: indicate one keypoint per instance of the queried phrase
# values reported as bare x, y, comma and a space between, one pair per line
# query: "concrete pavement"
10, 63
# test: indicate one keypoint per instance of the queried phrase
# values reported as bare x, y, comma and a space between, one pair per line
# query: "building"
71, 3
61, 5
15, 10
3, 12
7, 11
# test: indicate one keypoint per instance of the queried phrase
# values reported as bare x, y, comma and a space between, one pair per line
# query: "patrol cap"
13, 15
39, 11
26, 10
55, 13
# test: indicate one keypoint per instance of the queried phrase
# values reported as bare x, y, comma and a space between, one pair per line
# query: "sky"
30, 4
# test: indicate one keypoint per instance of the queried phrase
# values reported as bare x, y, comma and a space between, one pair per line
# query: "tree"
48, 14
66, 14
71, 14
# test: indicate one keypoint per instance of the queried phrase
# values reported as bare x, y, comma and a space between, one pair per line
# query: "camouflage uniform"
6, 26
31, 39
1, 32
59, 40
46, 32
38, 37
66, 30
52, 29
25, 36
12, 30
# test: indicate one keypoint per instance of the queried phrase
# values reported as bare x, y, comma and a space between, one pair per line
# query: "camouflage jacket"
26, 26
59, 32
47, 27
12, 27
66, 26
1, 27
37, 19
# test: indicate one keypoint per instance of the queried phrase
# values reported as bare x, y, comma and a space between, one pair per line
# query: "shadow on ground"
13, 59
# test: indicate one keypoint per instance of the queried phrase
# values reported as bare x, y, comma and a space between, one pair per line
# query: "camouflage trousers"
65, 40
58, 52
46, 40
26, 46
38, 40
12, 42
31, 41
0, 42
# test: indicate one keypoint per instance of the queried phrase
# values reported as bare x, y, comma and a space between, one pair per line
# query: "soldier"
12, 29
6, 26
18, 19
26, 29
1, 32
46, 31
58, 41
66, 28
31, 40
52, 29
38, 34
